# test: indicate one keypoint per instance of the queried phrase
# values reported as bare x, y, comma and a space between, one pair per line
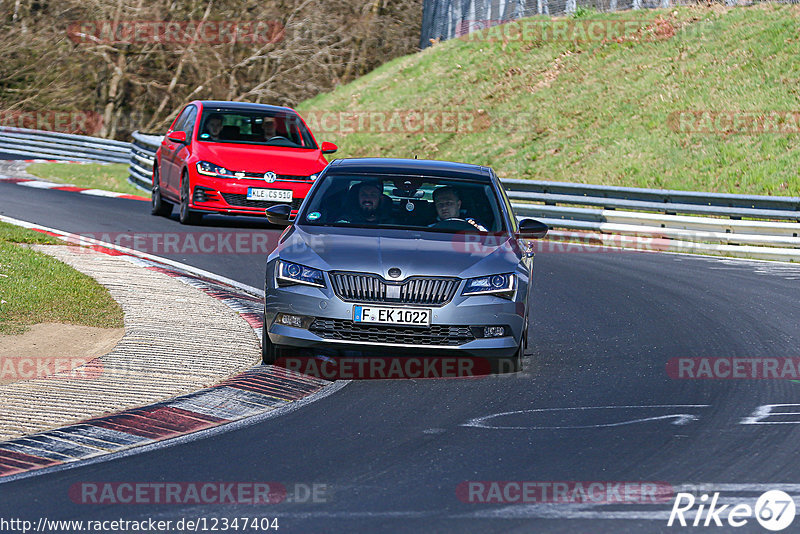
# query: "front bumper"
456, 327
229, 196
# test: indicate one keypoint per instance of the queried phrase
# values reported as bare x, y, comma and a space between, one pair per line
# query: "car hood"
251, 158
413, 252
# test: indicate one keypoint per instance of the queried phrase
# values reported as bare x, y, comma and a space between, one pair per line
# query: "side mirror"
532, 229
329, 148
279, 214
177, 137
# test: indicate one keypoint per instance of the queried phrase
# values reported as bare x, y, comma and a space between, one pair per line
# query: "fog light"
291, 320
493, 331
203, 194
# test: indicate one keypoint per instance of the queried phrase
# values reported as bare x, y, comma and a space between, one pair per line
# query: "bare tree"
84, 55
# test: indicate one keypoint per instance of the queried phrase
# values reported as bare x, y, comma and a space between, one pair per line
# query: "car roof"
405, 167
243, 106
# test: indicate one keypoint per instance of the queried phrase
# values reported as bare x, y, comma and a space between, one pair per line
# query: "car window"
188, 123
412, 202
178, 126
279, 129
510, 209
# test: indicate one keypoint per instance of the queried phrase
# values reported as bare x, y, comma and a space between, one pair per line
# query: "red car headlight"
209, 169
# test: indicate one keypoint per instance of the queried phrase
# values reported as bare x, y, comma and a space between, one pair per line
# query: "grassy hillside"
602, 112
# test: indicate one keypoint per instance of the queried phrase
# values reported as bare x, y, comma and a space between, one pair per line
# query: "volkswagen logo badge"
270, 177
394, 272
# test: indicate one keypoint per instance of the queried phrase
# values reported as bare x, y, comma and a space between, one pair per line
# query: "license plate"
255, 193
383, 315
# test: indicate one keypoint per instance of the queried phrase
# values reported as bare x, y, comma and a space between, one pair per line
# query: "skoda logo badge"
270, 177
394, 272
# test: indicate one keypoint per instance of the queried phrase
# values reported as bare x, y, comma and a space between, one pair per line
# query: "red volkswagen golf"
234, 158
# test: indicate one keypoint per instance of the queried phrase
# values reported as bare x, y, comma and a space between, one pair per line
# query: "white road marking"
36, 184
766, 410
679, 419
100, 193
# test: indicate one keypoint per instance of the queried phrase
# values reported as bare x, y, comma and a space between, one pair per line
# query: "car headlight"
293, 273
502, 285
209, 169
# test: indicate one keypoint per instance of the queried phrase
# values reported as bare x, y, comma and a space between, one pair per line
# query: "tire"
158, 206
514, 363
523, 346
269, 352
186, 216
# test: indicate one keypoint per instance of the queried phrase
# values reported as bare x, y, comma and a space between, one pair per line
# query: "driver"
370, 208
269, 128
214, 124
448, 206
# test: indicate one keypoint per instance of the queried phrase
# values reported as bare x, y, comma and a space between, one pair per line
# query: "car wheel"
158, 206
516, 361
186, 215
269, 352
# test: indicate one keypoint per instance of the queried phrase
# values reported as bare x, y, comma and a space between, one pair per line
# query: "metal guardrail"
665, 201
752, 226
54, 145
142, 154
661, 196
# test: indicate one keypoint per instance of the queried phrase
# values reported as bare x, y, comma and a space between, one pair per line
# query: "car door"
168, 151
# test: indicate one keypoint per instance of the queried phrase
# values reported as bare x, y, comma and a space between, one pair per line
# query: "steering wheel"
274, 137
453, 223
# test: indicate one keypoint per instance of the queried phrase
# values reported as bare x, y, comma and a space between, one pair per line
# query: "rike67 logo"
774, 510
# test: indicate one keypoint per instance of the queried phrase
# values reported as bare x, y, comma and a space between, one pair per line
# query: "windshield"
254, 127
410, 202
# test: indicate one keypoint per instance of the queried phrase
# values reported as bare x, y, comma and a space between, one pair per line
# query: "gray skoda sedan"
404, 257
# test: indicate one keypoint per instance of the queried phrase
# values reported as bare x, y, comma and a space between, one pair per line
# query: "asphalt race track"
595, 403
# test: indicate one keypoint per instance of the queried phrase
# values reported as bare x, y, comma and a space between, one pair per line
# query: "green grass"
111, 177
35, 288
597, 112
